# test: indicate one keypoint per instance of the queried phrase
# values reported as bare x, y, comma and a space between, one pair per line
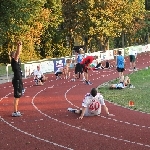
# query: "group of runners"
92, 102
82, 65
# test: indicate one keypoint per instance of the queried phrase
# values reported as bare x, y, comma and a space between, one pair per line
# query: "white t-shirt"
93, 104
38, 73
59, 70
133, 52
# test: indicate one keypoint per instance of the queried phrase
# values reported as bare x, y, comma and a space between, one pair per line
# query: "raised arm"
18, 51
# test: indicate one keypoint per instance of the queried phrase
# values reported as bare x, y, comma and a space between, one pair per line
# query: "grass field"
140, 94
3, 70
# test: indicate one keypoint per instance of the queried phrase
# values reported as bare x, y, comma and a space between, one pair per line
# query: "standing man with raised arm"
17, 79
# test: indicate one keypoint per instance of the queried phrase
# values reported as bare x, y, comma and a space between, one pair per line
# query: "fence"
51, 65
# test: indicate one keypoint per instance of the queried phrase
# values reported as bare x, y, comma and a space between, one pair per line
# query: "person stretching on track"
91, 105
17, 79
85, 63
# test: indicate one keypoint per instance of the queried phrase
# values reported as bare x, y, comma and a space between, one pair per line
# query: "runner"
86, 66
91, 105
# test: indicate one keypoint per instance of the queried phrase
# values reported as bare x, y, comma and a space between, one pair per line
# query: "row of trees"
51, 28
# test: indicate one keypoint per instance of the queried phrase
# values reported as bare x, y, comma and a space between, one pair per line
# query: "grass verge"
3, 70
140, 94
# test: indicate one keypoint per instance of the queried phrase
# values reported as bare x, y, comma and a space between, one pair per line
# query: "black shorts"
120, 69
41, 79
84, 67
58, 73
18, 87
78, 68
132, 58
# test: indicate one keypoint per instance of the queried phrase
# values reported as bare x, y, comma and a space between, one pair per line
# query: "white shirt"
59, 70
38, 73
133, 52
93, 104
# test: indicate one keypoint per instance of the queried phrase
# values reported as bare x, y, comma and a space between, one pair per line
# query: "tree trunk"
123, 39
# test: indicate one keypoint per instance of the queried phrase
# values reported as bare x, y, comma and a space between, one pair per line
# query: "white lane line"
36, 137
83, 129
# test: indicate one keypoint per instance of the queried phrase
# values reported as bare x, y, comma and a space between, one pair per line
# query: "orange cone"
131, 103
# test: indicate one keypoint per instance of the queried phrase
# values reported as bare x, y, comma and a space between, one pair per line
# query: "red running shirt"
88, 60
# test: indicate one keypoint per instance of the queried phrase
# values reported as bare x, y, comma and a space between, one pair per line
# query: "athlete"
132, 57
86, 66
120, 63
124, 82
78, 67
120, 85
17, 79
59, 73
91, 105
39, 77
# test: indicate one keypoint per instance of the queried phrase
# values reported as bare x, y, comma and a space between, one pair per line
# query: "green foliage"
139, 94
49, 28
17, 18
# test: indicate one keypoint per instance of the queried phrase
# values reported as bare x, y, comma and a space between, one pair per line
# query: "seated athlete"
39, 77
99, 64
107, 65
59, 72
91, 105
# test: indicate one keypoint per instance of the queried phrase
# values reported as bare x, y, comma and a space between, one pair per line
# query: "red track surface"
47, 125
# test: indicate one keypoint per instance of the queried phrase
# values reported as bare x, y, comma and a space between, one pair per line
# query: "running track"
47, 125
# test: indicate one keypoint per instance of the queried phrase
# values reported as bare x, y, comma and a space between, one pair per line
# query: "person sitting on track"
98, 63
91, 105
59, 72
39, 77
107, 64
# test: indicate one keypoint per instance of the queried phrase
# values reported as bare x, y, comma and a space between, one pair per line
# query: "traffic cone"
131, 103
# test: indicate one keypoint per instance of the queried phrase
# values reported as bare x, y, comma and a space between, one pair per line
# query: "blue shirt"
79, 58
120, 61
119, 85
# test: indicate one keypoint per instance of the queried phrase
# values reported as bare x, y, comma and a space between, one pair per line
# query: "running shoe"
73, 79
16, 114
71, 110
88, 83
23, 91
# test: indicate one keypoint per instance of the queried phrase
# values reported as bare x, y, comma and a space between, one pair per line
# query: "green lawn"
3, 69
140, 94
